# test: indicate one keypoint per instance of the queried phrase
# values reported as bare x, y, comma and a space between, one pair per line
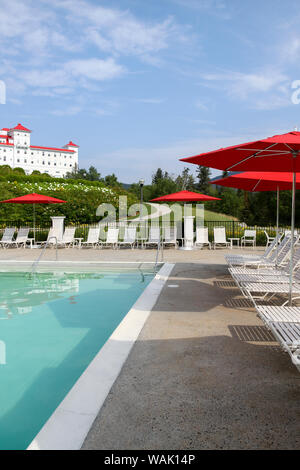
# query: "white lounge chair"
268, 238
267, 275
154, 237
244, 260
261, 290
52, 238
249, 238
202, 237
111, 238
170, 236
220, 237
284, 322
92, 238
129, 237
68, 237
275, 261
22, 238
7, 237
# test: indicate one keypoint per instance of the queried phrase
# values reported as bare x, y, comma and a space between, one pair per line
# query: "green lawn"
214, 216
208, 215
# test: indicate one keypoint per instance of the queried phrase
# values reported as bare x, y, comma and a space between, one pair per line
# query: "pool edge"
69, 424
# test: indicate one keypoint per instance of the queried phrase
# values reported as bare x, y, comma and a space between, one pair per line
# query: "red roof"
51, 148
5, 143
5, 129
72, 144
19, 127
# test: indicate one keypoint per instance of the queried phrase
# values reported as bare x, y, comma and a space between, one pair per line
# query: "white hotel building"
17, 151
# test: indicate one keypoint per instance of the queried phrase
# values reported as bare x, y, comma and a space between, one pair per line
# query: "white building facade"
16, 151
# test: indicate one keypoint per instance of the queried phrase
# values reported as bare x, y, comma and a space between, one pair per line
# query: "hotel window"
25, 161
18, 160
43, 163
4, 159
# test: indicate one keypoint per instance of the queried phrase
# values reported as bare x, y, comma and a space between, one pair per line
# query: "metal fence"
234, 228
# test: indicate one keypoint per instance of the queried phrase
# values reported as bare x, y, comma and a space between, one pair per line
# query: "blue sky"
138, 84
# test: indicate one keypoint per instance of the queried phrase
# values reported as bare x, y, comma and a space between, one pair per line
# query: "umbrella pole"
277, 225
292, 239
34, 222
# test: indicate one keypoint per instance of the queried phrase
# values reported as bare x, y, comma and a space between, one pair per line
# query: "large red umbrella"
185, 196
254, 181
33, 198
279, 153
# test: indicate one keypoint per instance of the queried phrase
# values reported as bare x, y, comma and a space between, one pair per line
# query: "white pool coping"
68, 426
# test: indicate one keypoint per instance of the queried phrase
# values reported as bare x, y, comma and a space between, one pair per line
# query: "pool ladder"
36, 262
160, 249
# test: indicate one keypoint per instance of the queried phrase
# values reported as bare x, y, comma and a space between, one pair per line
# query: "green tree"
185, 181
203, 176
158, 175
93, 174
111, 180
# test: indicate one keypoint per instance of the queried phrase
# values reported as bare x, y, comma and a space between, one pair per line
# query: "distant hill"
126, 186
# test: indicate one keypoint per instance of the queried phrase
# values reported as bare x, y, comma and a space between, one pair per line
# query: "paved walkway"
204, 374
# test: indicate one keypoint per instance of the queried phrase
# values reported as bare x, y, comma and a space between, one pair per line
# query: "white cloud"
150, 100
258, 88
69, 111
46, 78
95, 69
200, 105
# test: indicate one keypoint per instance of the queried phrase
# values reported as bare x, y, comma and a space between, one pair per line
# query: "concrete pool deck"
204, 372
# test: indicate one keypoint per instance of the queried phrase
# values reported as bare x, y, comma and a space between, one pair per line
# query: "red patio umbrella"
33, 198
185, 196
279, 153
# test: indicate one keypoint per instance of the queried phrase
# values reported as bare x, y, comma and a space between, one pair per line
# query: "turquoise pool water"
51, 326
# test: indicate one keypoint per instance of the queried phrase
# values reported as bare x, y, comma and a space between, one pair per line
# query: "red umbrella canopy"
258, 181
277, 153
185, 196
34, 199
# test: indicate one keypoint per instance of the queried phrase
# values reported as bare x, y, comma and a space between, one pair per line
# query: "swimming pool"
52, 325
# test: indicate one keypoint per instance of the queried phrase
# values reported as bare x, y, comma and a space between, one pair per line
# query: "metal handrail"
160, 247
36, 262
